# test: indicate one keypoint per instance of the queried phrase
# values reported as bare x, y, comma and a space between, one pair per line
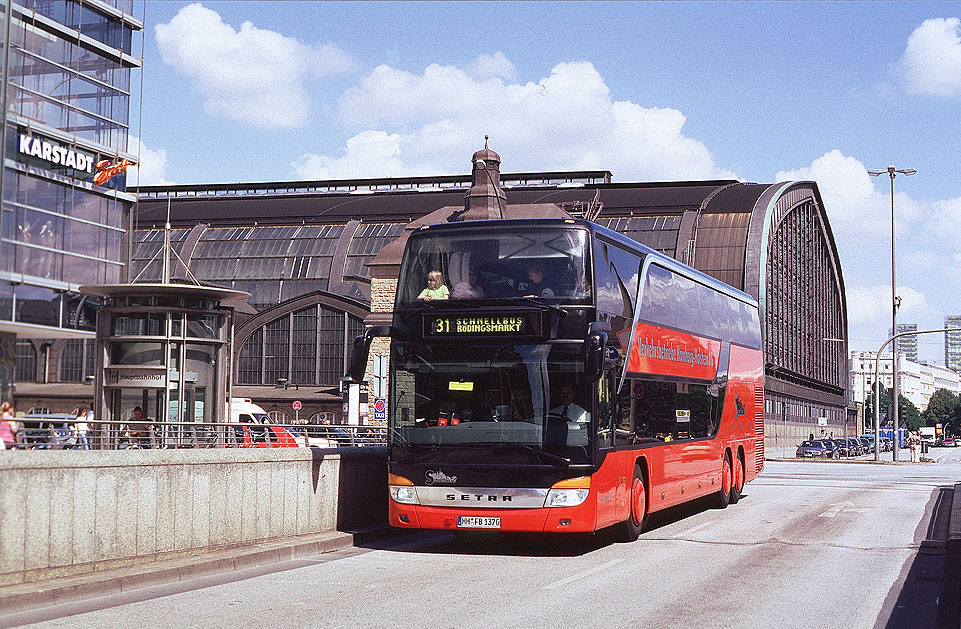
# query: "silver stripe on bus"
482, 497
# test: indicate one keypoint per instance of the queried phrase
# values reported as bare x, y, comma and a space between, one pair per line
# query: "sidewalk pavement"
25, 596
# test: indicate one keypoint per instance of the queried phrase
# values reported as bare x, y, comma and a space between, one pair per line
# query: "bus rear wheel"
724, 495
738, 483
637, 518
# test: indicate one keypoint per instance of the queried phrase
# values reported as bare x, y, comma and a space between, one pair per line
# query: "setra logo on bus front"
439, 477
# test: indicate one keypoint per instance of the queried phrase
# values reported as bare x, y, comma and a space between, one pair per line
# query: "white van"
242, 410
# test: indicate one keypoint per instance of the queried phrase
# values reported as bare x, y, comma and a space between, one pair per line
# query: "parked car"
47, 431
886, 444
862, 447
949, 442
816, 449
867, 445
843, 448
854, 446
325, 436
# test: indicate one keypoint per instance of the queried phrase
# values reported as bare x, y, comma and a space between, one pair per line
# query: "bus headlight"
403, 494
401, 489
566, 497
569, 492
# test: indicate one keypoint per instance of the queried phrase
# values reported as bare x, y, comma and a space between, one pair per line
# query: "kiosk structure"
164, 348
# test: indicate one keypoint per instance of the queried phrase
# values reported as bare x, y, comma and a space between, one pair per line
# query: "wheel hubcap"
726, 481
638, 502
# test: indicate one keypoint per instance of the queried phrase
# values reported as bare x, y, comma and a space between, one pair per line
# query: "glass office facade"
66, 115
952, 342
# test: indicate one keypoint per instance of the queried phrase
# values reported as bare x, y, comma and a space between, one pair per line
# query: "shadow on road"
913, 601
538, 544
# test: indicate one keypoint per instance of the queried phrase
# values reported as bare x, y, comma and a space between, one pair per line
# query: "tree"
943, 408
908, 414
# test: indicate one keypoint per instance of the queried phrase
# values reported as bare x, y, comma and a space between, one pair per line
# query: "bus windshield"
532, 399
550, 263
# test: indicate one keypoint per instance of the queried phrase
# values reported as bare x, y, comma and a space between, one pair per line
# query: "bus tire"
724, 495
738, 482
637, 516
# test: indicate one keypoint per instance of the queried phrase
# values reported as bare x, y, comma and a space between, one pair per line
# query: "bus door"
607, 479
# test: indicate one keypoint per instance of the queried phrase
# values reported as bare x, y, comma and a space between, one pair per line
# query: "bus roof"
664, 260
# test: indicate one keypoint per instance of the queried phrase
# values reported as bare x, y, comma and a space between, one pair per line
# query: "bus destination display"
522, 324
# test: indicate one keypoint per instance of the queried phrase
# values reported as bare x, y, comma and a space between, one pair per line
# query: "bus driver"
568, 409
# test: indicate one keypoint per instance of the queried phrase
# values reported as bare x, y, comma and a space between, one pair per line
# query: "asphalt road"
810, 544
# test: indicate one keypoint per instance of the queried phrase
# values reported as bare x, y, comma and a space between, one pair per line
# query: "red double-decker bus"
552, 375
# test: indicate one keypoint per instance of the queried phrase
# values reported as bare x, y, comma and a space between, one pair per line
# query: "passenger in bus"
537, 285
469, 288
436, 288
568, 410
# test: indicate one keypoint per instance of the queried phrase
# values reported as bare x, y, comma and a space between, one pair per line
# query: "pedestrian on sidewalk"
8, 426
914, 443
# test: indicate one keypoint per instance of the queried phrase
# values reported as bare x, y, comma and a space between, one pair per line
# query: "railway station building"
303, 250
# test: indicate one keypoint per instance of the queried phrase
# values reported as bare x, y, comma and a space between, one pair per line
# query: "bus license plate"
474, 522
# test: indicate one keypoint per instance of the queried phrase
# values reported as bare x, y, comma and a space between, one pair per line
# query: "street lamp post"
893, 172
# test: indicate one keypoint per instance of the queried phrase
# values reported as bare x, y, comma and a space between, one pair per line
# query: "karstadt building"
66, 215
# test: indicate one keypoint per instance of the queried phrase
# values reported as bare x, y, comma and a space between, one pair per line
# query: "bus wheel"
637, 518
738, 483
724, 495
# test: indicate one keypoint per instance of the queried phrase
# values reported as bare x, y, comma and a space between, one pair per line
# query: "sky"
652, 91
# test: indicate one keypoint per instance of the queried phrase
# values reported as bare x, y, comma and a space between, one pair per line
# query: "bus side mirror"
361, 349
595, 347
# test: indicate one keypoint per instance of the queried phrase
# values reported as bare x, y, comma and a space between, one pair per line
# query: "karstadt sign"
54, 153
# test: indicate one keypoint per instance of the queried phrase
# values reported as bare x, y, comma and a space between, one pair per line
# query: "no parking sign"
380, 409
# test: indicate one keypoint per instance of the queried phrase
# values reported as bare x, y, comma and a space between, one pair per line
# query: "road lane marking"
836, 509
586, 573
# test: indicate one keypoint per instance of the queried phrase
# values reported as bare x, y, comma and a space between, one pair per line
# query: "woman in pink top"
8, 427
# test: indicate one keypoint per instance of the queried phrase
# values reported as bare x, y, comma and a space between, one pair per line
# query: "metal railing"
103, 435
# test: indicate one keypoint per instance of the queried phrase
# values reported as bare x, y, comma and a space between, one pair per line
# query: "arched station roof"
282, 241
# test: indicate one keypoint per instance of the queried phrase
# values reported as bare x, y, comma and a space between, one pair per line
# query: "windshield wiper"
543, 454
420, 456
449, 304
535, 301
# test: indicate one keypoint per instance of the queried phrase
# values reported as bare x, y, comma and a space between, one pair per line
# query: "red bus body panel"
677, 471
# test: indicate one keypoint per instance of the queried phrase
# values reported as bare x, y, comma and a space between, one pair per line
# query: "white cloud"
492, 66
253, 75
868, 304
931, 63
928, 262
869, 313
430, 123
152, 168
853, 203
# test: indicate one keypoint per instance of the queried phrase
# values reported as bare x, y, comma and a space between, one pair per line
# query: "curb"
25, 596
949, 602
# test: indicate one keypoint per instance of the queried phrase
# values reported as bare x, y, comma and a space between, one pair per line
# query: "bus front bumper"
579, 519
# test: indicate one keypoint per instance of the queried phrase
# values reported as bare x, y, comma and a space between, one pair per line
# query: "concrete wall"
71, 512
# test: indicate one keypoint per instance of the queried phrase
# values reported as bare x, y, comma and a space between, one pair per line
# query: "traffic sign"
297, 405
380, 409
